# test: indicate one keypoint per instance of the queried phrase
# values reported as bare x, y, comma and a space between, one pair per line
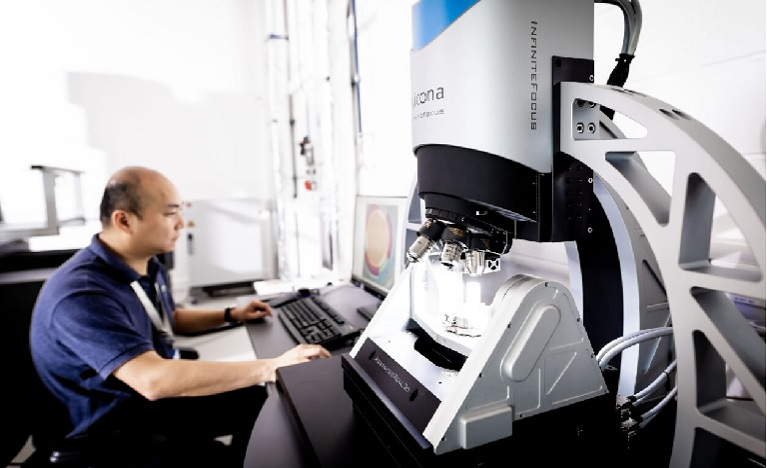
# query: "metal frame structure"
17, 232
711, 335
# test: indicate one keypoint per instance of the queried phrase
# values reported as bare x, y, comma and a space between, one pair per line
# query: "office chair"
52, 449
46, 421
28, 409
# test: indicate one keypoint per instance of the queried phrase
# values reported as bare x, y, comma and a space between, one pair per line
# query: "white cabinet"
229, 241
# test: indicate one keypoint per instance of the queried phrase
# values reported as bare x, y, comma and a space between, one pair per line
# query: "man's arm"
155, 377
194, 320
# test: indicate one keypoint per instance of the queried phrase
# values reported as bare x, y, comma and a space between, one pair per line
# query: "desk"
277, 439
273, 442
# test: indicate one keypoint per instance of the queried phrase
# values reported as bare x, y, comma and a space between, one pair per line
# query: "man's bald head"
126, 190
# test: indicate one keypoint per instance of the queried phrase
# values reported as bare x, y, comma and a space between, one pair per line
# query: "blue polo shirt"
88, 321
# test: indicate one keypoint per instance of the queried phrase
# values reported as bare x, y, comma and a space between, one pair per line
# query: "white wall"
94, 85
386, 165
705, 58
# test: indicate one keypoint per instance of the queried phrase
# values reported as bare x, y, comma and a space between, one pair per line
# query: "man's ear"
121, 220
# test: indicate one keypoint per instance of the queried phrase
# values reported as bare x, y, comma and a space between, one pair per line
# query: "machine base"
583, 431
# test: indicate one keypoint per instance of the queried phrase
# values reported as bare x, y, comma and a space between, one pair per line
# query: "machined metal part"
643, 293
711, 336
460, 326
475, 262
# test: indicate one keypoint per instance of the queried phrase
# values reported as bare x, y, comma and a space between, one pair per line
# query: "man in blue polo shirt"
102, 341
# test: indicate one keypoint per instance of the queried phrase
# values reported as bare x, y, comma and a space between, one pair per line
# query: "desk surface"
273, 442
278, 439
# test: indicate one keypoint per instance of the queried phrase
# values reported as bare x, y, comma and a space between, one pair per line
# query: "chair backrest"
27, 409
49, 419
20, 401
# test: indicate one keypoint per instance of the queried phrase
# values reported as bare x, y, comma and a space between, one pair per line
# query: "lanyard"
161, 324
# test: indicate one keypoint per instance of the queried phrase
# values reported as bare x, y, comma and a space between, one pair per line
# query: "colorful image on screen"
379, 244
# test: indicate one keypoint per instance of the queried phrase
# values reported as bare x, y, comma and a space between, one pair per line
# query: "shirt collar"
109, 257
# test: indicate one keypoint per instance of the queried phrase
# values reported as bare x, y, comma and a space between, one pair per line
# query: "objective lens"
419, 247
451, 255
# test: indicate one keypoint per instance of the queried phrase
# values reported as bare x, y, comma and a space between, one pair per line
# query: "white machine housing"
506, 110
532, 355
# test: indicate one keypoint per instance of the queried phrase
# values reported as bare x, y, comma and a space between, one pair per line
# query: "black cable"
618, 77
632, 15
621, 71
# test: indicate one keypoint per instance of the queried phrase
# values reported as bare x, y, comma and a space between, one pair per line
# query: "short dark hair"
121, 194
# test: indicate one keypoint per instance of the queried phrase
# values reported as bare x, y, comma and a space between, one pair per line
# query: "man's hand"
253, 310
296, 355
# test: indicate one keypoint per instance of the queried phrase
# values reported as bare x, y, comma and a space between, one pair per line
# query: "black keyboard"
311, 320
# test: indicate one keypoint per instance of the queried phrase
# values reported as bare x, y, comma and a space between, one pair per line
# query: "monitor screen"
379, 231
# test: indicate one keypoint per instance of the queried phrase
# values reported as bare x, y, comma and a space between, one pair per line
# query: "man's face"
158, 229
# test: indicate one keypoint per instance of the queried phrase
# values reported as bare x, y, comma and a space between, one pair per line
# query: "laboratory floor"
227, 345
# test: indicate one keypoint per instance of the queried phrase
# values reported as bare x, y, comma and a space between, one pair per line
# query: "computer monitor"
379, 231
